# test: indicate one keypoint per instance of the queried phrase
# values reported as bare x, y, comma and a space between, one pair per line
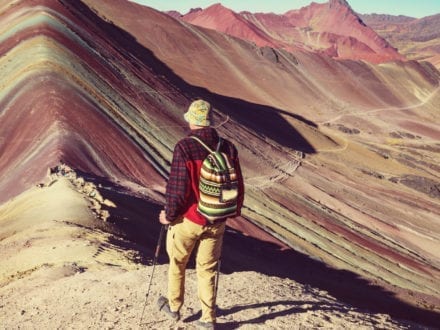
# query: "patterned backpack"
218, 186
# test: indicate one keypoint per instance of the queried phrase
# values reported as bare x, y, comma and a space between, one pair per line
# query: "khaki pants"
181, 240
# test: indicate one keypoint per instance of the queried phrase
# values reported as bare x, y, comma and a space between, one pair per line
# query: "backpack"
218, 185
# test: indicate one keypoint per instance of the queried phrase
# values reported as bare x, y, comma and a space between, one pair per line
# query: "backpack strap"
216, 156
204, 144
219, 144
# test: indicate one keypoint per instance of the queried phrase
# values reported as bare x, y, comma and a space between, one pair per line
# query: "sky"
412, 8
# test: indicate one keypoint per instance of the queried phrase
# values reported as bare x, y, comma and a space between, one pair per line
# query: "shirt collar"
207, 134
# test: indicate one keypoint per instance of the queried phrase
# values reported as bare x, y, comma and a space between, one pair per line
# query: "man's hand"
163, 219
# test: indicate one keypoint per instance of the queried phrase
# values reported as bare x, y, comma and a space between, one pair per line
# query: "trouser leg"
208, 255
181, 239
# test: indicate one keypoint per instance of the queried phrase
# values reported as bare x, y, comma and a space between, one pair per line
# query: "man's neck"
195, 127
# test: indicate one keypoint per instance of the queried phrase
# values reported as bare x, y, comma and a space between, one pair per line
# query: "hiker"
187, 226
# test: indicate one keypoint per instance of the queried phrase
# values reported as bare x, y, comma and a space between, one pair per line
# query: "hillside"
339, 157
417, 39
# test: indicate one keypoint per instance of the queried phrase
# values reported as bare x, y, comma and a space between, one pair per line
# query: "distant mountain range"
417, 39
332, 28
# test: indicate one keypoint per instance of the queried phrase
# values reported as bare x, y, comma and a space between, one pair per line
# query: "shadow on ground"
290, 307
243, 253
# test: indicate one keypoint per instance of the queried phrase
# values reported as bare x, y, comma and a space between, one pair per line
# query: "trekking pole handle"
159, 241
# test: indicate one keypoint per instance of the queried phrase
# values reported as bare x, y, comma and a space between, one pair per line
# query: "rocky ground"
112, 297
62, 267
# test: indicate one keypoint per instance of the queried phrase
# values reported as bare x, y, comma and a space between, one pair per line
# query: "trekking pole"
156, 255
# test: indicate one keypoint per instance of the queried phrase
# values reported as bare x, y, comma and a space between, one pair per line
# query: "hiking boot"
164, 306
205, 325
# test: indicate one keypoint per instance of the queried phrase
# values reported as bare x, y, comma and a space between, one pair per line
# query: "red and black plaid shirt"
182, 192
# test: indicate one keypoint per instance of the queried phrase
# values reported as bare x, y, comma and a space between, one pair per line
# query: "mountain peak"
194, 10
218, 8
217, 5
214, 11
220, 18
338, 3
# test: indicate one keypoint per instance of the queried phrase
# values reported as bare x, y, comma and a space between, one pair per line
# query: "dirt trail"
369, 112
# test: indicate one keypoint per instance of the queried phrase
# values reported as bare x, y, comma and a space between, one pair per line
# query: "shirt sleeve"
178, 185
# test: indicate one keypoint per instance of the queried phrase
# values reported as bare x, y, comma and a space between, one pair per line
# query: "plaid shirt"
182, 191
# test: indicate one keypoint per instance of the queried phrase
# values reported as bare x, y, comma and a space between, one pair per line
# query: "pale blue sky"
413, 8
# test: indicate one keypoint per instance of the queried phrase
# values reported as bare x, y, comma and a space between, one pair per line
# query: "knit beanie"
199, 113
